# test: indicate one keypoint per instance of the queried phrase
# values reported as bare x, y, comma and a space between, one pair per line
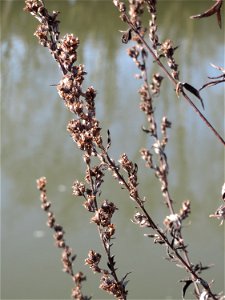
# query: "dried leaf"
124, 277
145, 129
193, 90
73, 257
215, 9
108, 140
223, 191
126, 37
185, 287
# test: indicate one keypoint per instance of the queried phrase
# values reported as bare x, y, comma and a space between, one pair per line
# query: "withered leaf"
185, 287
126, 37
135, 167
215, 9
194, 91
73, 257
108, 140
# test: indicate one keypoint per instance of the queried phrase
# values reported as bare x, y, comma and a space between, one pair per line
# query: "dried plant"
59, 236
85, 131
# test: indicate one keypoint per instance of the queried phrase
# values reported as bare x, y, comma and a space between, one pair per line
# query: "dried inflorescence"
59, 236
85, 131
131, 169
156, 84
93, 260
167, 48
148, 91
67, 53
69, 89
141, 220
151, 6
147, 156
78, 188
109, 283
185, 210
112, 287
104, 214
173, 224
136, 9
165, 124
86, 134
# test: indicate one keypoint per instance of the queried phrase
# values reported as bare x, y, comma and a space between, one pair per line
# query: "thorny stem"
186, 261
174, 81
108, 252
101, 234
92, 186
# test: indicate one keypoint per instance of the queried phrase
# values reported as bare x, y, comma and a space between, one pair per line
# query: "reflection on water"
35, 143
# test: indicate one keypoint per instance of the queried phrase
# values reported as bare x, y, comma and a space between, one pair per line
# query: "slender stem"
203, 118
166, 193
155, 135
184, 261
175, 82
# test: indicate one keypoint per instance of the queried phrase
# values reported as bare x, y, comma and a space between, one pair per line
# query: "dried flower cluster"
131, 169
109, 280
173, 224
112, 287
167, 50
59, 236
108, 283
153, 36
102, 218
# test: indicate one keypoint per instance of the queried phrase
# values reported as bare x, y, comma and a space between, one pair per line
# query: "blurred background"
35, 143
